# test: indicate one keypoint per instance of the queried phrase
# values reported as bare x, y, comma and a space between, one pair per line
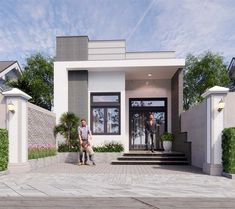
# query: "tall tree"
37, 80
203, 72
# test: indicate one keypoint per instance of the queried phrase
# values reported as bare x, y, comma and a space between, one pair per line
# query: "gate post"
17, 125
215, 126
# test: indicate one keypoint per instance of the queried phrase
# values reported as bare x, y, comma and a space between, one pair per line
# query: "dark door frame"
150, 109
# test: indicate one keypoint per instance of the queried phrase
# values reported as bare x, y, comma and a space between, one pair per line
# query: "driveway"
144, 185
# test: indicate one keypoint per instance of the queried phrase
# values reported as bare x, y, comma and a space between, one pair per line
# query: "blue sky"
185, 26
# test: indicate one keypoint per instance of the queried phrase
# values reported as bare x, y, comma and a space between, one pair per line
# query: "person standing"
84, 135
150, 132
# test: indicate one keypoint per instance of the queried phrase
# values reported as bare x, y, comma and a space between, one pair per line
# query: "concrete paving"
142, 186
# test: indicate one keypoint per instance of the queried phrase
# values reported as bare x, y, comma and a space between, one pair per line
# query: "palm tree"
67, 127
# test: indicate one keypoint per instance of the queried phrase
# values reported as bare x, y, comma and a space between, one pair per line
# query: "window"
105, 113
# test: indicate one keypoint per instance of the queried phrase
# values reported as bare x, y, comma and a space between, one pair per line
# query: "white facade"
111, 69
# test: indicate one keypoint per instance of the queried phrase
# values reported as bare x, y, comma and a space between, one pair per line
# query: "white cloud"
185, 26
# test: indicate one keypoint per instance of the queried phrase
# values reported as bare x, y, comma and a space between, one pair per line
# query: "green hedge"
107, 147
74, 147
3, 149
228, 150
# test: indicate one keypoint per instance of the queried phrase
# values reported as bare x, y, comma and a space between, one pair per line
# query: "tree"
67, 127
201, 73
37, 80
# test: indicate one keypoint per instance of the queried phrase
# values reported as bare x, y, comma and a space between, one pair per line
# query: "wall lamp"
221, 105
11, 107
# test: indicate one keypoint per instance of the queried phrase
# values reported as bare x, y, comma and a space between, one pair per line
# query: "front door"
139, 112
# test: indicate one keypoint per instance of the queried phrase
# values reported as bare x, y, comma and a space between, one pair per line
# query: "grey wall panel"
177, 99
71, 48
78, 93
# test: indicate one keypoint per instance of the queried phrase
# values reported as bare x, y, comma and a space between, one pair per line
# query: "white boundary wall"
194, 122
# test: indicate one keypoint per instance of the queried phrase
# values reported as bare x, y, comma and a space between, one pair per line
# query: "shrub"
228, 150
67, 127
167, 137
109, 147
3, 149
40, 151
74, 147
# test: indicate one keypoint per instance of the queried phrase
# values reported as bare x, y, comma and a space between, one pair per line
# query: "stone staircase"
156, 158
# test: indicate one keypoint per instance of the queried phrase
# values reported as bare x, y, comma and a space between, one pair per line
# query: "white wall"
149, 88
109, 82
60, 89
2, 112
194, 122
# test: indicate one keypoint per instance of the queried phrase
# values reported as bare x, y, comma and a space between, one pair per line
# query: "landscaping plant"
68, 128
40, 151
3, 149
228, 150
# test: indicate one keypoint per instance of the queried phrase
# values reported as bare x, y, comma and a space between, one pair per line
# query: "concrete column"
17, 125
215, 126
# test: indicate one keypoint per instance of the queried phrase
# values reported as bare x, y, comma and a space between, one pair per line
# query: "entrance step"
156, 158
118, 162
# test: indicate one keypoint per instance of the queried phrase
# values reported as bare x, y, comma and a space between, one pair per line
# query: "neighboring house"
231, 69
115, 90
8, 70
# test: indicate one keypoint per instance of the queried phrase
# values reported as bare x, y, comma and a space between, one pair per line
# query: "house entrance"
140, 108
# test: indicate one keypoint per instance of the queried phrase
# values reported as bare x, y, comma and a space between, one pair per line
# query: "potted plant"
167, 139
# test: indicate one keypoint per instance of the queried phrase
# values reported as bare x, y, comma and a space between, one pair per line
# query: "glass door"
138, 116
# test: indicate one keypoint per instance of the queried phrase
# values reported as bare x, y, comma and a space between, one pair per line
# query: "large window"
105, 113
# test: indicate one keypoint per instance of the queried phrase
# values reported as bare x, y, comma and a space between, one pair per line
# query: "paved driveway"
147, 185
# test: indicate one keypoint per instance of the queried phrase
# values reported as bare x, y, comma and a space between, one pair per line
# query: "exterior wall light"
11, 107
150, 74
221, 105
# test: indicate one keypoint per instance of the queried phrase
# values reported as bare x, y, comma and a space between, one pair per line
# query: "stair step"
151, 158
157, 162
156, 154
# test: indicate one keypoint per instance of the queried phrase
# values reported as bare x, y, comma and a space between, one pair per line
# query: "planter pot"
167, 145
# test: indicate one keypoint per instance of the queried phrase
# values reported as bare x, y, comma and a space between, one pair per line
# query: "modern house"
9, 70
115, 90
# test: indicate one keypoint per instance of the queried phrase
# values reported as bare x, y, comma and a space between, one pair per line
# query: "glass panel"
138, 137
113, 120
106, 98
147, 103
98, 120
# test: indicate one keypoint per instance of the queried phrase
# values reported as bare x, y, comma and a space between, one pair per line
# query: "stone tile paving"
104, 180
115, 203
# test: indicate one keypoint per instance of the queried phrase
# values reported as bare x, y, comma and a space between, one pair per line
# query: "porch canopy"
134, 69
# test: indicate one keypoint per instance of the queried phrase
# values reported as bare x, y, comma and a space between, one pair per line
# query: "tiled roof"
5, 64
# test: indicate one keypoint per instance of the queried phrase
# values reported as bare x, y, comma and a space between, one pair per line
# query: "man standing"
84, 135
150, 132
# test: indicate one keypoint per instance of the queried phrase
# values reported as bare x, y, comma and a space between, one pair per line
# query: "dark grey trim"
176, 100
78, 93
72, 48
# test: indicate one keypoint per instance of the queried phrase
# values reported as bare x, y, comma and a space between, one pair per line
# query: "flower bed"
41, 151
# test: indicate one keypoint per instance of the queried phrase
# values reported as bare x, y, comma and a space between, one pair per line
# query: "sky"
184, 26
